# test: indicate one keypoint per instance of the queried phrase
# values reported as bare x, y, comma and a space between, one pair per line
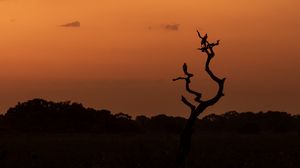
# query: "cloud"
168, 27
72, 24
171, 27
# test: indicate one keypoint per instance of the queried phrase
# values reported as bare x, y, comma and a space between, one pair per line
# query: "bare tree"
186, 135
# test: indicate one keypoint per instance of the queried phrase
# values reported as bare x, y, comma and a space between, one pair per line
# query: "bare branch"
187, 83
214, 44
179, 78
199, 35
209, 50
206, 46
186, 102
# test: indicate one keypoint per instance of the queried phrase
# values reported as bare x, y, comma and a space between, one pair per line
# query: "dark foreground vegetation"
148, 151
42, 134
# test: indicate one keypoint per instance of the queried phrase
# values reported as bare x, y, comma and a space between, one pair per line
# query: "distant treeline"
41, 116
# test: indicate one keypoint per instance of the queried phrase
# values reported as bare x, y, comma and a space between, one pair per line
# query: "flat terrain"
148, 151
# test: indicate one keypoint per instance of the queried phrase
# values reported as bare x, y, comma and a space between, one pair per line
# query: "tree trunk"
185, 143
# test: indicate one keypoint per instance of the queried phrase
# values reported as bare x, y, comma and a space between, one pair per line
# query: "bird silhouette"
204, 40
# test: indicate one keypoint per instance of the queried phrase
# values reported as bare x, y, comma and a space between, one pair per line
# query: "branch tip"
179, 78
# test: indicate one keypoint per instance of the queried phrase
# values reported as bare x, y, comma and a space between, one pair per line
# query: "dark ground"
148, 151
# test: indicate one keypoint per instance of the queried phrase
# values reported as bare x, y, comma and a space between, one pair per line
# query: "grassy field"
147, 151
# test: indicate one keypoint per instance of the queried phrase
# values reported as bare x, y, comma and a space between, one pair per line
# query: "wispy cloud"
168, 27
171, 27
71, 24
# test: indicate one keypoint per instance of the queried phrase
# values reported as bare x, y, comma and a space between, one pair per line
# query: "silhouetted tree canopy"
41, 116
249, 122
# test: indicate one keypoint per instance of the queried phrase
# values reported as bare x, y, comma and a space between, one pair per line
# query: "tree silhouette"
42, 116
186, 135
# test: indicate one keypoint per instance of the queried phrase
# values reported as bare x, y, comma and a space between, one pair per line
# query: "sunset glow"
125, 53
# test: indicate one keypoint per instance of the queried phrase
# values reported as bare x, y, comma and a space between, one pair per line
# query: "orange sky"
123, 58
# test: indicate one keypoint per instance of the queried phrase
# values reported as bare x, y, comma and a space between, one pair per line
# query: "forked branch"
207, 48
187, 87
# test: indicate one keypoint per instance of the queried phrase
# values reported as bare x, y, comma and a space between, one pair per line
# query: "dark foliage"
41, 116
251, 123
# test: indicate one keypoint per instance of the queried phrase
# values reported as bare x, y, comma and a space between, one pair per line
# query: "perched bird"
204, 40
184, 67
